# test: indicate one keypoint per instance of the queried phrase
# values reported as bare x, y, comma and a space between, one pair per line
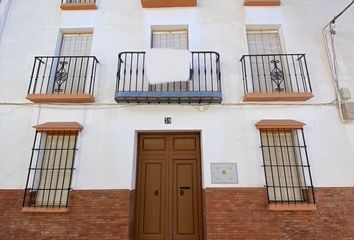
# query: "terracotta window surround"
45, 210
261, 3
292, 207
168, 3
61, 98
279, 124
59, 126
79, 6
256, 97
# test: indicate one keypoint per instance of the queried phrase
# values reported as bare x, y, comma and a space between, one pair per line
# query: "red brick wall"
101, 214
236, 213
241, 214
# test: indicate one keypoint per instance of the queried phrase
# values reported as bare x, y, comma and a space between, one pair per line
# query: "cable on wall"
328, 34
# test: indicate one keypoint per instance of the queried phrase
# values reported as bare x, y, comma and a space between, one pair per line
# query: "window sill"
292, 207
61, 98
78, 6
164, 3
261, 3
45, 210
264, 97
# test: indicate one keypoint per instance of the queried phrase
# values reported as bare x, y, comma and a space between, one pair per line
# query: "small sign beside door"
225, 173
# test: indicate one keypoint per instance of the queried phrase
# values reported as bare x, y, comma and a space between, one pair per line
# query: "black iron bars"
269, 73
63, 75
204, 85
50, 171
286, 166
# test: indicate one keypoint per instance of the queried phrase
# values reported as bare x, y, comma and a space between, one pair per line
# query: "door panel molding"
169, 190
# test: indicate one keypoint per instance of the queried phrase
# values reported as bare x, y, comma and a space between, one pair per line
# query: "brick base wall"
236, 213
101, 214
242, 214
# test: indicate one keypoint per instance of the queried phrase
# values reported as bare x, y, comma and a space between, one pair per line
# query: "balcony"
168, 3
67, 79
203, 86
275, 77
78, 4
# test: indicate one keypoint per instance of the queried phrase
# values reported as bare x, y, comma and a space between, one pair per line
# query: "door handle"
182, 189
156, 193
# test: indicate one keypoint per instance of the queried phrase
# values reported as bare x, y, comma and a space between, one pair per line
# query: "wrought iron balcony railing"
60, 76
275, 77
204, 85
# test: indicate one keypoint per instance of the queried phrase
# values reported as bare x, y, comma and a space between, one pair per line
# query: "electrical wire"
328, 34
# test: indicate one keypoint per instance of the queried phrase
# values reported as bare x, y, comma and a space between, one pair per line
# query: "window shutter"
264, 42
170, 39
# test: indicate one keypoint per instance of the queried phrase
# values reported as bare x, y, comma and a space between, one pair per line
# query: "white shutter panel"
170, 39
76, 44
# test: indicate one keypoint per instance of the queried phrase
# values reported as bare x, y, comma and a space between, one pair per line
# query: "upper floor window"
269, 74
175, 39
263, 42
77, 44
68, 77
169, 72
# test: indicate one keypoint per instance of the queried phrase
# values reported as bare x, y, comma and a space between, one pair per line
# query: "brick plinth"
230, 213
241, 214
101, 214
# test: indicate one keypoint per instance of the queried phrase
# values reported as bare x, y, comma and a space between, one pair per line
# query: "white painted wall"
106, 155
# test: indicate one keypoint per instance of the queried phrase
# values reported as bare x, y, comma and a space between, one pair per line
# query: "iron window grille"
286, 166
50, 171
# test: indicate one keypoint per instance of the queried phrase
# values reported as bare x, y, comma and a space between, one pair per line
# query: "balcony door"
72, 66
267, 71
171, 39
169, 204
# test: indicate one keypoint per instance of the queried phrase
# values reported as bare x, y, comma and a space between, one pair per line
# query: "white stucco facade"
106, 156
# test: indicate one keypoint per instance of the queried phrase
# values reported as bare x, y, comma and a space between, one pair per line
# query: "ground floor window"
51, 166
285, 161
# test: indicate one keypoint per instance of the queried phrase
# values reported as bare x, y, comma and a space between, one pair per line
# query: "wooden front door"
169, 201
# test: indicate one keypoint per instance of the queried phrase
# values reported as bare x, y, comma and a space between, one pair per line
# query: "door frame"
134, 214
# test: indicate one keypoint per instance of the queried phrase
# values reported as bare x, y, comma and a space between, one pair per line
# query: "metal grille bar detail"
286, 167
269, 73
50, 171
63, 75
204, 85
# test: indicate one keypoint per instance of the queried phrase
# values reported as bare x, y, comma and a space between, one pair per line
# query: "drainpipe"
332, 58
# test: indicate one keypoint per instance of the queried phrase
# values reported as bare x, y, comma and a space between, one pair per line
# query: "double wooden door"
169, 201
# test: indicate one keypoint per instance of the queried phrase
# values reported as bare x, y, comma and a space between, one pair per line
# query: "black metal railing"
204, 85
286, 167
50, 171
269, 73
63, 75
77, 1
